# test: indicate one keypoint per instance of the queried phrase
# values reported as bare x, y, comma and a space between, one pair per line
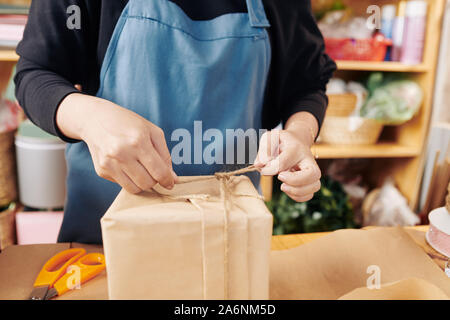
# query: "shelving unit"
400, 152
379, 150
8, 56
381, 66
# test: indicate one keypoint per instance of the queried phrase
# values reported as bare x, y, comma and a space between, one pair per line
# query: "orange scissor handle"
56, 267
81, 271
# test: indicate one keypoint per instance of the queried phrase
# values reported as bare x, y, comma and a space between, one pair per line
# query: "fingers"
125, 182
113, 173
136, 172
303, 193
268, 148
277, 152
286, 160
157, 167
309, 173
160, 145
133, 174
301, 185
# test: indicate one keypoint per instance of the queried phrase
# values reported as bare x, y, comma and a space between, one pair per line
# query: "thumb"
284, 162
269, 147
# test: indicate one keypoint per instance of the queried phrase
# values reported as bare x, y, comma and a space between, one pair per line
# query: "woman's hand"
288, 154
125, 148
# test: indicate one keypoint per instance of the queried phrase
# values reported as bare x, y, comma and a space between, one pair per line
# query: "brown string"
228, 175
225, 194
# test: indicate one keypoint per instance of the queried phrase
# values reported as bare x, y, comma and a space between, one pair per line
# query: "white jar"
41, 168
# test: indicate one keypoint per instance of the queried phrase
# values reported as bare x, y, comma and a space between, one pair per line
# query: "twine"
225, 195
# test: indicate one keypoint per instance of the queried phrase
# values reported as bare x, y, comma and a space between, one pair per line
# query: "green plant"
329, 210
322, 7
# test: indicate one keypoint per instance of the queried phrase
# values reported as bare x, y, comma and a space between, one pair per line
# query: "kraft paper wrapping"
19, 266
179, 244
335, 265
410, 289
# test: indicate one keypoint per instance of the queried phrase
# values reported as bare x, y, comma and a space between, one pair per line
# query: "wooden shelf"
8, 55
380, 66
379, 150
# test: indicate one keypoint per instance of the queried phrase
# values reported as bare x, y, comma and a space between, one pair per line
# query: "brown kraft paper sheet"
336, 264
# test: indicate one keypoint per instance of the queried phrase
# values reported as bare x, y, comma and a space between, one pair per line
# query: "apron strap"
257, 15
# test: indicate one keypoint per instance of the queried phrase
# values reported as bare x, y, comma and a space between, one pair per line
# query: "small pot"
41, 168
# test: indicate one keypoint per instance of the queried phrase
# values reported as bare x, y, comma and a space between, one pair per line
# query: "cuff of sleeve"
314, 103
57, 98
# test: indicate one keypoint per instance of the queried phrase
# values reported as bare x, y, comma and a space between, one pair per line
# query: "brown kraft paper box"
208, 238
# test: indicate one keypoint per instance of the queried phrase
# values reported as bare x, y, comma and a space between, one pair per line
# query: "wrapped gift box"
207, 238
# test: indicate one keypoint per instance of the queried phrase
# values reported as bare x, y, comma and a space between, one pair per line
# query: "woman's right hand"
125, 147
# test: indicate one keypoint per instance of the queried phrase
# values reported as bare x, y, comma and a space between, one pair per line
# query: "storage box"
7, 227
38, 227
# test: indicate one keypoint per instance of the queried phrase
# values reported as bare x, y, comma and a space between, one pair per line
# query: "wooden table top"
417, 233
294, 240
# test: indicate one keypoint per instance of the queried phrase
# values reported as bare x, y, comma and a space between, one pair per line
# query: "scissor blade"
51, 294
39, 293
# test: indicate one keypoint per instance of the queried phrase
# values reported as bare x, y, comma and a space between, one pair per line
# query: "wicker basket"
8, 227
341, 105
8, 179
335, 130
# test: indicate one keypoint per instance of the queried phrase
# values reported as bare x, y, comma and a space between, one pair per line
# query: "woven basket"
341, 105
8, 227
335, 130
8, 179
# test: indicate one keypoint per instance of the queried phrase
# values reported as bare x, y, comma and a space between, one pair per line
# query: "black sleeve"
300, 68
53, 58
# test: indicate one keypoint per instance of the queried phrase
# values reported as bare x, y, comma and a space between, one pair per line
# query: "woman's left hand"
287, 153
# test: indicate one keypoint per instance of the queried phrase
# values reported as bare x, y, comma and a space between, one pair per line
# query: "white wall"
439, 136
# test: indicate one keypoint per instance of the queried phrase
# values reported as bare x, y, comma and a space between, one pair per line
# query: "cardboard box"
205, 239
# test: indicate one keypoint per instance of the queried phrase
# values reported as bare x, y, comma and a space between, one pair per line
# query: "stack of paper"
11, 29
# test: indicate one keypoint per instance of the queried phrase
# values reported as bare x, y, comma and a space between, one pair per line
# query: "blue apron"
193, 79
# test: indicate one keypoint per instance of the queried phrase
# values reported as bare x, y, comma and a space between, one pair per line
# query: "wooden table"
417, 233
294, 240
13, 287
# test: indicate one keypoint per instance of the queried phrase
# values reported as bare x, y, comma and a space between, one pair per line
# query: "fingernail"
282, 176
267, 171
285, 188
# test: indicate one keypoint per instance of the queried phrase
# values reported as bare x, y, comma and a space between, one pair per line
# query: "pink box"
38, 227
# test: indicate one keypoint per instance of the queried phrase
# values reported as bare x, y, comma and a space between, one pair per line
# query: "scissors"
56, 276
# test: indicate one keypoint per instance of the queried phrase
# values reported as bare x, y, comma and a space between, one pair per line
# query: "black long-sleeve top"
53, 58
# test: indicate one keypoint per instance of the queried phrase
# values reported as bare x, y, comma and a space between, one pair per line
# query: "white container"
397, 32
414, 33
41, 168
387, 20
438, 235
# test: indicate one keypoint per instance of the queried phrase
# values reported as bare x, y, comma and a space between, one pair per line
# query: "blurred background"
383, 148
